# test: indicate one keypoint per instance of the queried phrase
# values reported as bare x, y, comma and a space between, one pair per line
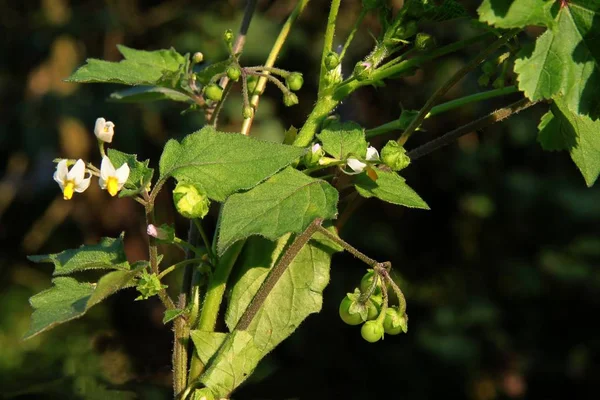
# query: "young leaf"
287, 202
389, 187
161, 67
142, 94
108, 254
579, 134
170, 315
515, 13
207, 343
297, 294
566, 59
69, 299
140, 175
223, 163
343, 139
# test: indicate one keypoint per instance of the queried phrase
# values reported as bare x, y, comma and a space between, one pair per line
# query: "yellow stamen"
112, 185
68, 190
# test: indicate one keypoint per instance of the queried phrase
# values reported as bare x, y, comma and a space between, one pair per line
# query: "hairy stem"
328, 40
277, 46
454, 79
361, 256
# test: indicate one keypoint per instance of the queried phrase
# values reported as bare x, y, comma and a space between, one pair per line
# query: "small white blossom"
152, 231
104, 130
111, 179
315, 148
73, 180
372, 154
355, 165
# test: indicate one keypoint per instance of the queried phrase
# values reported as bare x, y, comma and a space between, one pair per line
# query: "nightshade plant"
277, 201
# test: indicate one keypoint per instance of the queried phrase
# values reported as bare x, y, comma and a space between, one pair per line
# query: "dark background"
501, 276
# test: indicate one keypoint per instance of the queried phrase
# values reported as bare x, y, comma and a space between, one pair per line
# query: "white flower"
73, 180
372, 154
315, 148
104, 130
355, 165
111, 179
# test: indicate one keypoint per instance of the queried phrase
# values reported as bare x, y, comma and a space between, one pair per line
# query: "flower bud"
228, 36
233, 73
295, 81
312, 157
394, 156
251, 83
198, 57
213, 92
362, 70
290, 99
104, 130
190, 201
332, 60
424, 41
163, 233
248, 112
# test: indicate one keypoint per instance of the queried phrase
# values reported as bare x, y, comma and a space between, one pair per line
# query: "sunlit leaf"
389, 187
515, 13
140, 175
343, 139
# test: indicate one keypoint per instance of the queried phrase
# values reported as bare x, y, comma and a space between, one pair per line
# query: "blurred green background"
501, 276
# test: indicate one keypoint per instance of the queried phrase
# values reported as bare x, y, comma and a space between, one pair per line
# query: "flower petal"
122, 174
60, 175
99, 127
83, 185
372, 154
77, 172
315, 147
356, 165
106, 169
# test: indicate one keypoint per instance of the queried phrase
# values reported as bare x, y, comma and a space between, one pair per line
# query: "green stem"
452, 81
328, 41
207, 243
277, 46
396, 288
357, 23
180, 264
444, 107
384, 304
361, 256
181, 333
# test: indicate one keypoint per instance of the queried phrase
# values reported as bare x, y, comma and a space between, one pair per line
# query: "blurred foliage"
501, 275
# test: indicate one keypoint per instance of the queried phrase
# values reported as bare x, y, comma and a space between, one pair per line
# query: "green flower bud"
424, 41
407, 30
312, 157
248, 112
332, 60
234, 72
290, 99
251, 83
228, 36
362, 70
372, 331
295, 81
190, 201
213, 92
198, 57
394, 156
148, 285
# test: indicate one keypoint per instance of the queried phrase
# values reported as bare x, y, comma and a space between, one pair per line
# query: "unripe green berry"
198, 57
248, 112
290, 99
344, 311
295, 81
372, 310
213, 92
394, 156
190, 201
228, 36
395, 323
372, 331
332, 60
367, 281
234, 72
424, 41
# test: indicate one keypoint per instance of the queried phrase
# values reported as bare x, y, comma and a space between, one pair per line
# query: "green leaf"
69, 299
142, 94
344, 139
207, 343
578, 134
389, 187
161, 67
170, 315
140, 175
566, 59
108, 254
223, 163
206, 74
516, 13
232, 364
297, 294
287, 202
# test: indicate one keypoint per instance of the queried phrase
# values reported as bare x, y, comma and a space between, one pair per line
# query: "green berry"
332, 60
234, 72
295, 81
424, 41
248, 112
367, 281
372, 310
394, 156
213, 92
372, 331
198, 57
350, 319
394, 323
290, 99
